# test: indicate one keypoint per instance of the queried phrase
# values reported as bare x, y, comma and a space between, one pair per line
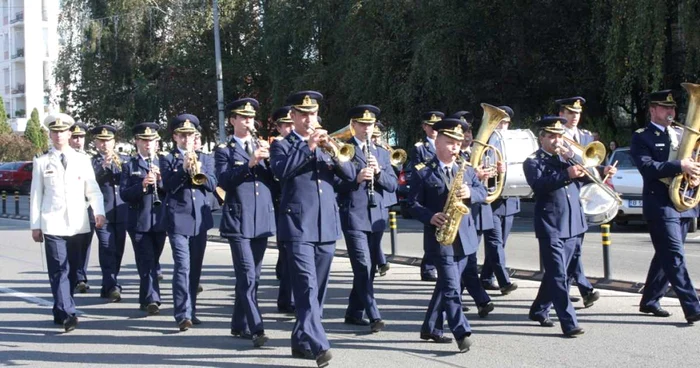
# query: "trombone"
397, 157
561, 150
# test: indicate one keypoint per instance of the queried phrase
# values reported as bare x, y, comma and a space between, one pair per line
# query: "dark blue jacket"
558, 211
143, 216
423, 152
187, 206
308, 208
108, 179
355, 213
248, 210
428, 196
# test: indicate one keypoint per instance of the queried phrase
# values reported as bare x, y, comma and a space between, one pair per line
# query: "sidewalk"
118, 334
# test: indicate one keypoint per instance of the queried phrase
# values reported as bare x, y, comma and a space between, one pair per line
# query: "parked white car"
628, 183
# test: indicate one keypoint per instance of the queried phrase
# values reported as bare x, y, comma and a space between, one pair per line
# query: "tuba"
454, 208
679, 189
492, 116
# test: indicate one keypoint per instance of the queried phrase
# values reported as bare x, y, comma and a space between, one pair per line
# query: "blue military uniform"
309, 224
146, 219
559, 223
112, 237
422, 153
85, 240
429, 190
188, 220
247, 219
503, 210
389, 198
363, 218
650, 148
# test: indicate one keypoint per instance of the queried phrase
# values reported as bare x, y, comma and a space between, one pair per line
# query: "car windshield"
10, 166
624, 160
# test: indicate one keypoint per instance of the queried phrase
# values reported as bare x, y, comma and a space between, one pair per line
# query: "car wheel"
26, 187
693, 227
405, 213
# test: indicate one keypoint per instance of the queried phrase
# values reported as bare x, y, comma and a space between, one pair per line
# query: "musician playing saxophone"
112, 236
141, 185
430, 189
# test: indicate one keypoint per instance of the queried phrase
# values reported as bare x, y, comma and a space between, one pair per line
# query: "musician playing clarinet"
142, 189
363, 215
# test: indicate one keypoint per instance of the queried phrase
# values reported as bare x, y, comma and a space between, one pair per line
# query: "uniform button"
257, 184
568, 196
289, 210
320, 190
193, 198
319, 181
257, 193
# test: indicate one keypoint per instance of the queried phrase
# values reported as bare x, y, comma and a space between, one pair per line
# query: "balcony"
19, 88
19, 17
19, 53
44, 15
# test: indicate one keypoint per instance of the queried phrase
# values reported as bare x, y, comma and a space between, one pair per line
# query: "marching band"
309, 188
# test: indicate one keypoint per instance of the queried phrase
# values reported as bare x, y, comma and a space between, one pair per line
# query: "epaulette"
163, 153
585, 131
532, 156
418, 144
640, 130
221, 145
278, 138
420, 166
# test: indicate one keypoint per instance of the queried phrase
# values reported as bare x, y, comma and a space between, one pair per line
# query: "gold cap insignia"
248, 107
577, 104
187, 124
148, 131
558, 125
76, 129
59, 123
459, 130
367, 115
104, 132
669, 98
434, 118
307, 101
289, 114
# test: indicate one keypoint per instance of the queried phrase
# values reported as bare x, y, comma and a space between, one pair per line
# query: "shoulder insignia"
426, 144
658, 133
532, 156
278, 138
639, 130
292, 138
420, 166
418, 144
433, 165
585, 131
222, 145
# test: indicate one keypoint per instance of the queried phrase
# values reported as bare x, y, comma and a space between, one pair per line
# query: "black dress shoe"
82, 287
591, 298
440, 339
196, 321
575, 332
241, 334
356, 321
377, 325
286, 309
463, 344
693, 318
153, 309
431, 276
509, 288
489, 286
199, 289
544, 322
485, 309
324, 358
465, 308
185, 325
302, 354
259, 339
114, 295
383, 269
658, 312
70, 323
57, 321
574, 299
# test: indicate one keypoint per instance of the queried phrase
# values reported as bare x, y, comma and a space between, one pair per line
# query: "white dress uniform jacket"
58, 197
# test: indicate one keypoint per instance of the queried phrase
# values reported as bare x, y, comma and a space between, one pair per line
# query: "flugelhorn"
333, 147
194, 167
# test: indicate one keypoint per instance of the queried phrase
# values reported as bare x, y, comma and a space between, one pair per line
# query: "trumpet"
194, 168
258, 142
113, 157
333, 147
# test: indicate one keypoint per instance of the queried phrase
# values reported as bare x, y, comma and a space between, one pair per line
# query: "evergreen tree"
35, 133
5, 127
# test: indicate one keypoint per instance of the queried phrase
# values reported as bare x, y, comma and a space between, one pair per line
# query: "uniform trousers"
494, 251
668, 265
309, 267
147, 249
575, 270
247, 257
111, 237
446, 299
556, 254
188, 255
363, 262
62, 262
285, 298
85, 242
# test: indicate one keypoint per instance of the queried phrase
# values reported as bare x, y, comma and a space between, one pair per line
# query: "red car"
16, 176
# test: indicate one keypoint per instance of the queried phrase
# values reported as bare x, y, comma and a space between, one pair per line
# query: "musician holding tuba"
363, 216
141, 188
655, 149
438, 189
571, 109
248, 217
187, 177
112, 237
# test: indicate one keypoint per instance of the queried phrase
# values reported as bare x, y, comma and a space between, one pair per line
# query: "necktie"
448, 174
63, 160
248, 148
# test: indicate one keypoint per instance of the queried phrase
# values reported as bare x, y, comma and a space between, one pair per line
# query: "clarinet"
256, 142
370, 186
156, 201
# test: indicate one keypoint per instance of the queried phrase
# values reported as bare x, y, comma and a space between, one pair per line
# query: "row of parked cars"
16, 176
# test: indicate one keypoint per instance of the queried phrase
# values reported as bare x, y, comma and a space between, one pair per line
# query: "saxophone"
679, 189
454, 208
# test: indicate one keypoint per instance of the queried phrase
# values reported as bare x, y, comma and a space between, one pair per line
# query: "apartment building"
28, 52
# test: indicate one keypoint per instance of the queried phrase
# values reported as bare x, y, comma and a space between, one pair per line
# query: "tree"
16, 148
35, 132
5, 128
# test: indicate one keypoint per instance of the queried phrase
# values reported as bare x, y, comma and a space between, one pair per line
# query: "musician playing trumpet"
141, 187
112, 236
248, 217
187, 177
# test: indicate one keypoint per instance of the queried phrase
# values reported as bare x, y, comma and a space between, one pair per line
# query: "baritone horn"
679, 189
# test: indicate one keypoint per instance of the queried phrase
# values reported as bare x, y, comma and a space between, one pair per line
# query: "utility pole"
219, 74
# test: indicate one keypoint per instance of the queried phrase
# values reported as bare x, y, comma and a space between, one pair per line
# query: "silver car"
628, 183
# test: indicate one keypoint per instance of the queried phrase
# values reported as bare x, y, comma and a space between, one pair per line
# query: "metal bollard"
605, 232
16, 204
4, 202
392, 226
